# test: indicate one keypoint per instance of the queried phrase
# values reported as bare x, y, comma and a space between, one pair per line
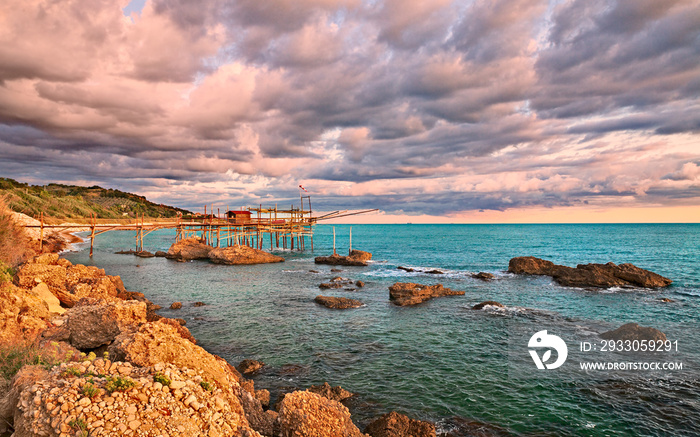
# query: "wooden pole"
350, 251
92, 234
333, 240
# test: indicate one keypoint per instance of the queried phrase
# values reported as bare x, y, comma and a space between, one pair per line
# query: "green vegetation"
71, 371
206, 386
89, 390
117, 383
74, 202
164, 380
81, 426
15, 356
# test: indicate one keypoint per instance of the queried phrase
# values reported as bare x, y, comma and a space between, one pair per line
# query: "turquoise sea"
442, 361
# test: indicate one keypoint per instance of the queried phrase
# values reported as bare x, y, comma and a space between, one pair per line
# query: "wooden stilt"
334, 240
350, 250
41, 234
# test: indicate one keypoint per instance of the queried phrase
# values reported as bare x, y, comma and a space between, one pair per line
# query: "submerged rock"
338, 303
487, 303
589, 275
189, 249
632, 331
408, 293
336, 393
237, 255
406, 269
356, 258
144, 254
250, 366
303, 413
399, 425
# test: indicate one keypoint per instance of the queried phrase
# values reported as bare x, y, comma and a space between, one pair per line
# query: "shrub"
206, 386
117, 383
15, 356
164, 380
81, 426
89, 390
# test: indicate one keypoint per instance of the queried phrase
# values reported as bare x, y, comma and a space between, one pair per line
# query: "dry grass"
14, 248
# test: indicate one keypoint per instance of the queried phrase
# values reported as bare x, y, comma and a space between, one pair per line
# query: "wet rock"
434, 272
399, 425
406, 269
329, 285
338, 303
487, 303
666, 299
126, 252
237, 255
356, 258
632, 331
250, 366
292, 369
199, 304
407, 293
144, 254
336, 270
314, 271
589, 275
359, 284
161, 254
181, 322
176, 305
303, 413
189, 249
336, 393
483, 276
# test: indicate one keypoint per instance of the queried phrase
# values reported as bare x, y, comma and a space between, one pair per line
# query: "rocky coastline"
119, 368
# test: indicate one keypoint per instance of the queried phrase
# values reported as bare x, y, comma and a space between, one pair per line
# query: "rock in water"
333, 393
144, 254
356, 258
189, 249
161, 254
176, 305
589, 275
408, 293
235, 255
632, 331
398, 425
250, 366
338, 303
487, 303
303, 413
483, 276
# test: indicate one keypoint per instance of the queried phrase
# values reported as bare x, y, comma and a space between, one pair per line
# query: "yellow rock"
42, 291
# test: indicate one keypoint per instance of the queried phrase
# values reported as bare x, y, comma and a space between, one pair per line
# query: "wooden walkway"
285, 228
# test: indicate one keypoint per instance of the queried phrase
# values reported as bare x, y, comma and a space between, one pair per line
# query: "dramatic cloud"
414, 107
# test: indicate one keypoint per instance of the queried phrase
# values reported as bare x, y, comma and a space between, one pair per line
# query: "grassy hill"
76, 202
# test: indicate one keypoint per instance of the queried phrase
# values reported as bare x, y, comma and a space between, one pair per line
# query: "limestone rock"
632, 331
336, 393
399, 425
589, 275
303, 413
176, 305
235, 255
42, 292
160, 254
93, 324
144, 254
481, 305
159, 342
22, 314
46, 407
338, 303
355, 258
408, 293
189, 249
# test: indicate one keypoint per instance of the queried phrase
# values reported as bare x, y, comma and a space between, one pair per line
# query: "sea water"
440, 360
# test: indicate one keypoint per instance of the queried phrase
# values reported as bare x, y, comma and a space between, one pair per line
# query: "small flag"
305, 190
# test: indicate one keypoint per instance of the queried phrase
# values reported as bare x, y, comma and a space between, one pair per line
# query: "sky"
430, 111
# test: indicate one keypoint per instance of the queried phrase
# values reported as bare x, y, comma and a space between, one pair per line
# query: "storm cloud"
477, 105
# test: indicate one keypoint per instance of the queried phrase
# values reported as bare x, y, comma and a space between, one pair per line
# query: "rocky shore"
118, 368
